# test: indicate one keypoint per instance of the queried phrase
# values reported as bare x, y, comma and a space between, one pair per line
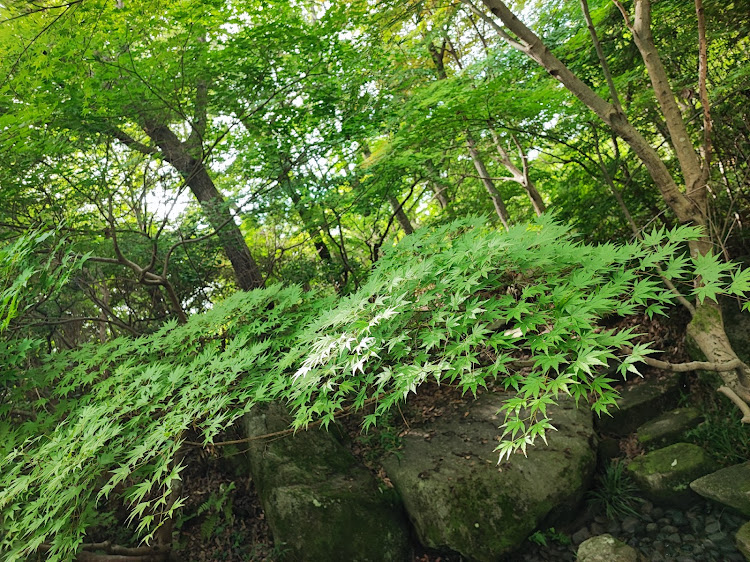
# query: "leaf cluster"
461, 304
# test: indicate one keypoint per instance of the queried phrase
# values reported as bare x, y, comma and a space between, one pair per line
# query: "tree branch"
737, 401
130, 142
690, 365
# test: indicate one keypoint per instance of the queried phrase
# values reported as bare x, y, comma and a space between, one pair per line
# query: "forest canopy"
208, 206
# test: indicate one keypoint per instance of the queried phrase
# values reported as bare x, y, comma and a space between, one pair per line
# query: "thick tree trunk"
194, 172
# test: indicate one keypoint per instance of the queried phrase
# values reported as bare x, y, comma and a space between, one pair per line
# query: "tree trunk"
484, 176
521, 177
439, 186
194, 172
487, 182
398, 210
527, 42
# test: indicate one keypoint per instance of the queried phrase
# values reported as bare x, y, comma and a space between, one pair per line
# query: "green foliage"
461, 303
540, 537
722, 433
615, 492
216, 512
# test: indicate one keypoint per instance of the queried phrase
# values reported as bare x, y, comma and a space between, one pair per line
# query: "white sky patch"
165, 203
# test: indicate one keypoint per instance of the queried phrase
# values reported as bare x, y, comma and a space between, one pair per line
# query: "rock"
668, 428
459, 498
742, 540
580, 535
606, 548
318, 500
630, 524
639, 403
729, 486
664, 475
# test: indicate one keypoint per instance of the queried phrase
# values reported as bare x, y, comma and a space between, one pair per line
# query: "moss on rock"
664, 475
460, 499
318, 500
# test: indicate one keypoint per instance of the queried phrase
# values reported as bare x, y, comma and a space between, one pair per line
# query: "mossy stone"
668, 428
460, 499
742, 540
664, 475
639, 403
729, 486
606, 548
318, 500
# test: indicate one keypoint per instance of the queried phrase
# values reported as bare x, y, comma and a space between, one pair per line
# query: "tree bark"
194, 172
398, 210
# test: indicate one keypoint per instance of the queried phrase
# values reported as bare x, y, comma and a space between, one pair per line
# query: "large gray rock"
606, 548
639, 403
664, 475
729, 486
668, 428
459, 498
321, 505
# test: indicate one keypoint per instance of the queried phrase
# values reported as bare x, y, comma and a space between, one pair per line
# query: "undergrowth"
615, 493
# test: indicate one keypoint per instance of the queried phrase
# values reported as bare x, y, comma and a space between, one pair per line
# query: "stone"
580, 535
664, 475
639, 403
318, 499
729, 486
668, 428
459, 498
606, 548
742, 540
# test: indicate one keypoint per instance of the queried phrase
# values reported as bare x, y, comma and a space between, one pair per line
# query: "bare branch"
690, 365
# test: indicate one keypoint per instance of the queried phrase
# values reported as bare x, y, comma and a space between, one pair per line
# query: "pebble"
702, 533
580, 535
630, 524
713, 527
717, 537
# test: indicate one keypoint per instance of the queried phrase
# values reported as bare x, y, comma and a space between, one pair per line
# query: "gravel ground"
703, 533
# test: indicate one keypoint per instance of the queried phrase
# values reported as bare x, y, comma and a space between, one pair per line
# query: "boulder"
639, 403
729, 486
668, 428
742, 540
458, 496
319, 502
664, 475
606, 548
